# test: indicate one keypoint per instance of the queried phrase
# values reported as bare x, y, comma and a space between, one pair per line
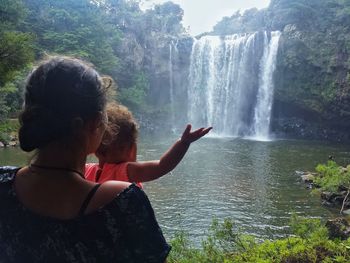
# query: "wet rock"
285, 126
335, 199
338, 228
300, 173
308, 178
13, 138
2, 145
12, 143
326, 203
338, 199
328, 196
343, 169
342, 188
332, 198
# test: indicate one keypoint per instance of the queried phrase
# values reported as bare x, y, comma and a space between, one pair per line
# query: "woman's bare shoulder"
106, 193
113, 188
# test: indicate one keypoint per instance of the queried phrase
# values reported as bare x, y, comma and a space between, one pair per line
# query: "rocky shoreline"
12, 142
337, 198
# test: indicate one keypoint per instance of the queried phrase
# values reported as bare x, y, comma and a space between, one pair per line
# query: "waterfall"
228, 80
172, 50
262, 115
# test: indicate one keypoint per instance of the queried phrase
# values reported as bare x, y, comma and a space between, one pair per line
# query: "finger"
187, 130
198, 130
207, 130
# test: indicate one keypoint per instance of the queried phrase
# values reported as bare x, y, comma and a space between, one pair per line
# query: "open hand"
189, 137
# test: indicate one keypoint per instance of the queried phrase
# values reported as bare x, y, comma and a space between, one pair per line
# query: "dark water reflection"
253, 183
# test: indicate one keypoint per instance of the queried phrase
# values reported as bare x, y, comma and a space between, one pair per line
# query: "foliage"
7, 128
250, 21
74, 27
112, 34
135, 96
16, 51
165, 18
11, 13
308, 228
11, 95
332, 177
309, 243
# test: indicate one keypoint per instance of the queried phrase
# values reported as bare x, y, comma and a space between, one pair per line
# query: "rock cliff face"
164, 59
312, 86
167, 62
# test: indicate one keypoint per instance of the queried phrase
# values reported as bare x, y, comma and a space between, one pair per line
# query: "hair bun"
39, 126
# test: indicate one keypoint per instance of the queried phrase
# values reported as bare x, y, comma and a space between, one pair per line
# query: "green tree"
168, 16
74, 27
15, 52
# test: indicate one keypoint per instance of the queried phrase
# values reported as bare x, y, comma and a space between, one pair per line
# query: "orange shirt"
110, 171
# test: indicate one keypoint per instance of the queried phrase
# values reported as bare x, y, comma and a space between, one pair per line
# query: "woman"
49, 213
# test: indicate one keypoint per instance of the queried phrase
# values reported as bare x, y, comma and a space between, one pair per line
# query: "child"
117, 152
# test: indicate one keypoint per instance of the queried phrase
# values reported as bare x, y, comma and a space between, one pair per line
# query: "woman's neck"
62, 156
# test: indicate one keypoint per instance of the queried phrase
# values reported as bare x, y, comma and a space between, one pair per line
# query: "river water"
253, 183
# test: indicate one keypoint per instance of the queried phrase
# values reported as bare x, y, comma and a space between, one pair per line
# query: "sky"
201, 15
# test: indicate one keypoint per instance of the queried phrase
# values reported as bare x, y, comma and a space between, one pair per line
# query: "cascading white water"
171, 84
226, 75
262, 114
172, 50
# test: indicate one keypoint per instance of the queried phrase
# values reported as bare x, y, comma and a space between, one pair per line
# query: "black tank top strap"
98, 174
88, 199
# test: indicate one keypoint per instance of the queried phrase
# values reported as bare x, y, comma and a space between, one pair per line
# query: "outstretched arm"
151, 170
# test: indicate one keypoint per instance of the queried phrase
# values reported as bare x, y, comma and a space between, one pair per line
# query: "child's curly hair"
121, 131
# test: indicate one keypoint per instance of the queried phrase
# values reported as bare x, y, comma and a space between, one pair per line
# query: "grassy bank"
308, 241
332, 181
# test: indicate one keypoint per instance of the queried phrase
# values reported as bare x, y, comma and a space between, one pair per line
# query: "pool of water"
253, 183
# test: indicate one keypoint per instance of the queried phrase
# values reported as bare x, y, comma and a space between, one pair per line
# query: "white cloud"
202, 15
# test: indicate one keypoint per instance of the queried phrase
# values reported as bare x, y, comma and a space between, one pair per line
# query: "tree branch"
346, 197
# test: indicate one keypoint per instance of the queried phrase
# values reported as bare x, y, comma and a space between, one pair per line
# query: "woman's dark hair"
58, 91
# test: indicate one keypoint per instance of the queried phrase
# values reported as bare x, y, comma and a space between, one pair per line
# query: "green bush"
8, 128
308, 242
332, 176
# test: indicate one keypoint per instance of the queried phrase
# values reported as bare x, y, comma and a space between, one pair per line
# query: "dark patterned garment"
125, 230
